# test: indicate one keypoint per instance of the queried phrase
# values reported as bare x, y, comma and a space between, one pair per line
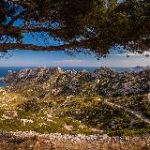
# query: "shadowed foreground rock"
25, 141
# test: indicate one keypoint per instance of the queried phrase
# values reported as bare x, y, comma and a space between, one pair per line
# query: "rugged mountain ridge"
102, 81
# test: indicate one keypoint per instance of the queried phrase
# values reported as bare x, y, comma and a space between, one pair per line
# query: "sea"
4, 70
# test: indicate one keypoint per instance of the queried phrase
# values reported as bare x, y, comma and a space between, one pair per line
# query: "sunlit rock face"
36, 74
123, 83
102, 81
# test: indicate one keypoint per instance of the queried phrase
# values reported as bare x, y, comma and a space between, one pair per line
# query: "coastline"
2, 82
2, 78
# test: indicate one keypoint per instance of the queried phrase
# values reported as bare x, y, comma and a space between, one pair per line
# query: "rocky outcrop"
102, 81
123, 83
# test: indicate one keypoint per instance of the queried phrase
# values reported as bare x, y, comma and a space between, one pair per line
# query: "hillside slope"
52, 100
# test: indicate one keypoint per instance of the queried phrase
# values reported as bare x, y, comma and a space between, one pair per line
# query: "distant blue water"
4, 70
2, 84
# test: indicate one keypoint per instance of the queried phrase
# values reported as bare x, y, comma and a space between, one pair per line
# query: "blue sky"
32, 58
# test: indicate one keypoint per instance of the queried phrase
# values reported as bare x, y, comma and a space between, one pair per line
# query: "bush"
31, 105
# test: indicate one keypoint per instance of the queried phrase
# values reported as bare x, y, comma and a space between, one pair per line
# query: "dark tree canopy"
97, 25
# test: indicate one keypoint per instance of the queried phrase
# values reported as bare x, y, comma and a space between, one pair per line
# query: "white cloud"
71, 61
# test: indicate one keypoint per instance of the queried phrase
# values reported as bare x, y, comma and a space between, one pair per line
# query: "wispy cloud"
71, 62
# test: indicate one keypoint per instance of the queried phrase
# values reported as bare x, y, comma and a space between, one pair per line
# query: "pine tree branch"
19, 46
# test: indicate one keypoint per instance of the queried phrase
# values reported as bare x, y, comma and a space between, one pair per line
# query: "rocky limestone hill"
102, 81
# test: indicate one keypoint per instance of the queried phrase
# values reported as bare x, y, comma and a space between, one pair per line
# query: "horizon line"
77, 66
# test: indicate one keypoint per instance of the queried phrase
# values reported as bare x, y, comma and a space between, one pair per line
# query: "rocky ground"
75, 110
34, 141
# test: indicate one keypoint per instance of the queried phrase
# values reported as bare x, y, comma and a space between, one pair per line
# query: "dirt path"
138, 115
